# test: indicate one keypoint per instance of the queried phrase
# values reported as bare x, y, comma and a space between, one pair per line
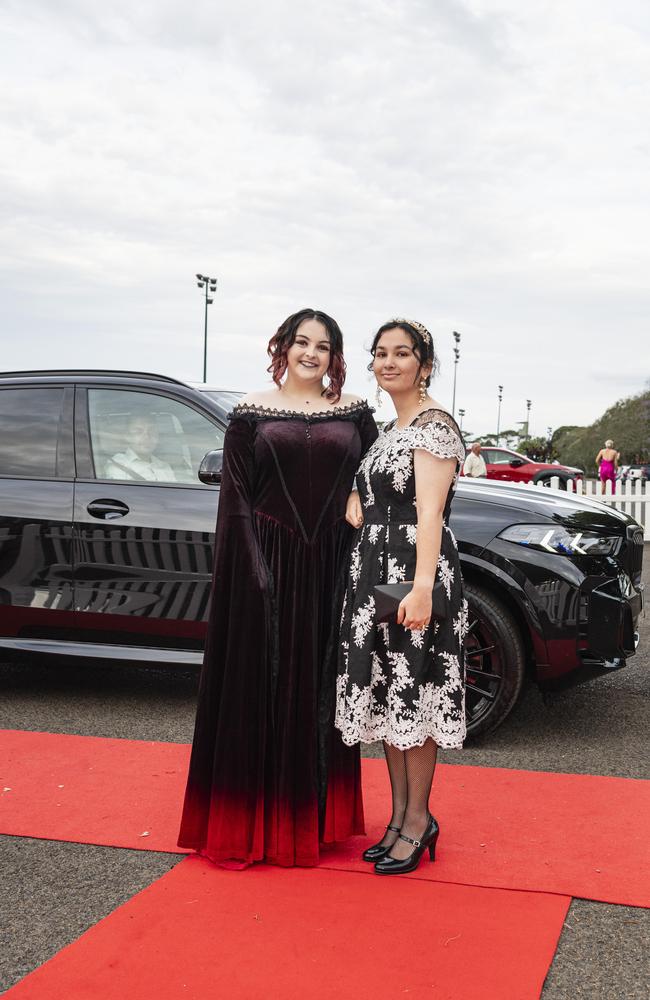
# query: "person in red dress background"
270, 778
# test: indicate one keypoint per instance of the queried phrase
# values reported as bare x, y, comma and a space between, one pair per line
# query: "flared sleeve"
367, 429
368, 432
224, 796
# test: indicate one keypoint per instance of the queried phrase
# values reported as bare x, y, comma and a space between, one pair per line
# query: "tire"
498, 672
545, 478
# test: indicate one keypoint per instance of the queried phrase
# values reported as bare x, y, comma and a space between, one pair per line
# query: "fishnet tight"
411, 775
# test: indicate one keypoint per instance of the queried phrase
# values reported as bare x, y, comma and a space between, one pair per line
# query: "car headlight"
562, 541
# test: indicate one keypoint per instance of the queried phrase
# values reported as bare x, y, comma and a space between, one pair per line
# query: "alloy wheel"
484, 671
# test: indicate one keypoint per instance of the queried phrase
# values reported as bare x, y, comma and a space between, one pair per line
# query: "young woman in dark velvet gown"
270, 778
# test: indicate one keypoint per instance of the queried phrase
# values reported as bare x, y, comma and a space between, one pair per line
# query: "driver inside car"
138, 460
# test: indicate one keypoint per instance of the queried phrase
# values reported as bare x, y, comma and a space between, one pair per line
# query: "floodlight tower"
210, 285
456, 360
500, 388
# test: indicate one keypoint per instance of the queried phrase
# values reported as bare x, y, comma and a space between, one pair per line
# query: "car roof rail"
82, 372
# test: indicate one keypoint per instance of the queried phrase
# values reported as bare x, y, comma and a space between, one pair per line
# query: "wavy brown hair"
422, 347
285, 337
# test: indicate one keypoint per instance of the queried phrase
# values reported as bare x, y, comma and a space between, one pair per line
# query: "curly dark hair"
285, 337
422, 346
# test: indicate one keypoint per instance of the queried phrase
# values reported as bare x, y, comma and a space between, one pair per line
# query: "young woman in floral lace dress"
402, 682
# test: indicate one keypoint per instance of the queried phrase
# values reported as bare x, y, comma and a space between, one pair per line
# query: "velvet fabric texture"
269, 776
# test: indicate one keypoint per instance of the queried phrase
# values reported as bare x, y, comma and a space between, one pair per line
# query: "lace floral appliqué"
402, 685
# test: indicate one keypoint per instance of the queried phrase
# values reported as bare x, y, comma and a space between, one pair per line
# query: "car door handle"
107, 510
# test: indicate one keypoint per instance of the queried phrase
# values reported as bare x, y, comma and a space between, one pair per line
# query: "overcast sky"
480, 165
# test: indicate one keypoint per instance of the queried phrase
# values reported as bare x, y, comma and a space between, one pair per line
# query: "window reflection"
29, 430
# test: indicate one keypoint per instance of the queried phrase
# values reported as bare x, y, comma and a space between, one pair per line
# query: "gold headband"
416, 326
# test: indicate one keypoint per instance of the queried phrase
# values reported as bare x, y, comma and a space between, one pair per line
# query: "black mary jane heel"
378, 851
393, 866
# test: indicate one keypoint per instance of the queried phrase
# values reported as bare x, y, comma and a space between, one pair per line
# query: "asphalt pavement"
52, 892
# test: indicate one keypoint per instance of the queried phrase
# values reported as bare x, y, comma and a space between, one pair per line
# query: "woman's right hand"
354, 510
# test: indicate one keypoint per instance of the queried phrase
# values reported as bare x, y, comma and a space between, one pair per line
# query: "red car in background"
509, 465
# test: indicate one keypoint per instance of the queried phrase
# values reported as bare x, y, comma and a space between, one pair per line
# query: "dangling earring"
423, 390
378, 395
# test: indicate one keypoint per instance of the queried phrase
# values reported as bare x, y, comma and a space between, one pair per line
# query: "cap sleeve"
437, 432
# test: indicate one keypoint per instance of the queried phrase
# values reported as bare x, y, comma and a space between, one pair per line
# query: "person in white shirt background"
475, 463
138, 461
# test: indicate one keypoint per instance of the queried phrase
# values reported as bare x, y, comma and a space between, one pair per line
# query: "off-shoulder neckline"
271, 413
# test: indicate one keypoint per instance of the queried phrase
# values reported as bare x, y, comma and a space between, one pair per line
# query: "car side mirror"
211, 467
517, 462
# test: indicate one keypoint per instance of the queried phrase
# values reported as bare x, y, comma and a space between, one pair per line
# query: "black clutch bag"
388, 597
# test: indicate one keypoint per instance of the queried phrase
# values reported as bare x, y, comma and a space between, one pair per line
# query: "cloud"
479, 165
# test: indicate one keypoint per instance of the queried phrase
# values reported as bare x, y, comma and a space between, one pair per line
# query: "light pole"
528, 403
500, 388
456, 360
210, 285
461, 414
549, 443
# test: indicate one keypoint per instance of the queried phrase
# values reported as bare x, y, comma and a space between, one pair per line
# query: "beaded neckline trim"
255, 410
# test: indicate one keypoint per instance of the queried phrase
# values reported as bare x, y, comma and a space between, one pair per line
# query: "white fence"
632, 497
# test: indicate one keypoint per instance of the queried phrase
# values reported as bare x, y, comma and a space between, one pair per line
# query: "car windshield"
224, 399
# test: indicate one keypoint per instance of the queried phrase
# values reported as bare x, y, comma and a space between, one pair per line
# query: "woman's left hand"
354, 510
415, 609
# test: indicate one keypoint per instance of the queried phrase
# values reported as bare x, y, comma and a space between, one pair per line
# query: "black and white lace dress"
394, 684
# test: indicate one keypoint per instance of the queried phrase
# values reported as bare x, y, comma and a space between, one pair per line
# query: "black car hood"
519, 503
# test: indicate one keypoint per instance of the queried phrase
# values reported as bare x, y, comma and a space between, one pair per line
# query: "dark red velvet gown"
269, 776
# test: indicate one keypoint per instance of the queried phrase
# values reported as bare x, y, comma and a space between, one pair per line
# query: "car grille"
632, 554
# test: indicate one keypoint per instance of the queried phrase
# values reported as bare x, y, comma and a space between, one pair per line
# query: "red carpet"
201, 932
90, 790
577, 834
571, 834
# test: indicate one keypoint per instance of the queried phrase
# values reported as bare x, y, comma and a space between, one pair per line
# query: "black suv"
108, 498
